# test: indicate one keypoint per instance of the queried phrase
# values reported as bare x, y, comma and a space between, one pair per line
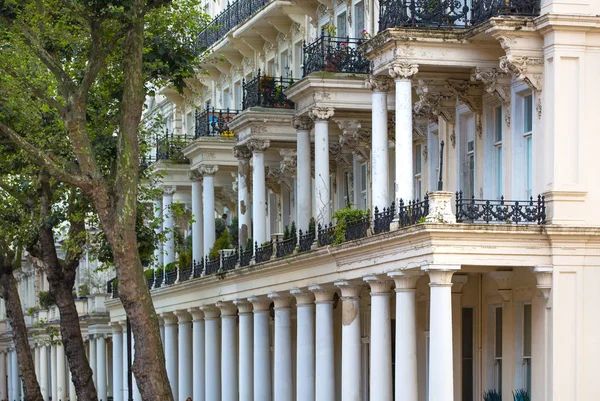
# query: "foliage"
184, 260
343, 216
421, 220
149, 274
31, 311
330, 29
290, 231
521, 395
312, 226
222, 242
46, 299
84, 290
220, 226
234, 232
492, 395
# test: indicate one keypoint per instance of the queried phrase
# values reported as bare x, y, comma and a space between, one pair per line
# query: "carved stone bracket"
378, 83
241, 152
495, 82
321, 113
543, 278
288, 163
466, 93
169, 189
526, 69
302, 123
420, 128
354, 138
403, 70
258, 145
208, 169
434, 101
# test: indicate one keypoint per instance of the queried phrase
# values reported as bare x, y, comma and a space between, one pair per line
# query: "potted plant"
492, 395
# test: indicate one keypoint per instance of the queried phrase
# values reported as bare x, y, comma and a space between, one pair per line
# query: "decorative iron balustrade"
212, 266
185, 274
235, 13
285, 247
198, 267
245, 256
383, 219
158, 279
449, 13
326, 234
170, 277
305, 241
356, 229
170, 147
500, 210
229, 262
214, 122
332, 54
266, 91
150, 282
413, 213
263, 253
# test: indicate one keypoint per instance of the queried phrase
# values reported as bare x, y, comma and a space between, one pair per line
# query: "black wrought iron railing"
245, 256
158, 278
170, 277
383, 219
332, 54
326, 235
150, 282
285, 247
214, 122
449, 13
170, 147
264, 252
500, 210
305, 241
229, 262
212, 265
235, 13
198, 268
414, 212
185, 274
357, 229
266, 91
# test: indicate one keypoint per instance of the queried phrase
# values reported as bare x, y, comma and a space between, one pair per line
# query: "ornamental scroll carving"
379, 83
302, 123
403, 70
208, 169
241, 152
258, 145
195, 175
169, 189
321, 113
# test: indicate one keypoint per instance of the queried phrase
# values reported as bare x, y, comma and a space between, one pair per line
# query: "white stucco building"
479, 117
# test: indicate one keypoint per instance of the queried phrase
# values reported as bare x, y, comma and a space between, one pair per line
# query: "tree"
90, 61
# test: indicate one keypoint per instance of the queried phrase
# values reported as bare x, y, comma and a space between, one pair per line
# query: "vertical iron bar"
440, 182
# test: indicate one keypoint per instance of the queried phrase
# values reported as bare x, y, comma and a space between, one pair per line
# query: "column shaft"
16, 376
185, 358
171, 353
404, 143
72, 392
243, 200
381, 348
44, 372
36, 356
229, 368
60, 373
198, 213
208, 197
322, 187
213, 356
379, 151
324, 373
351, 350
283, 389
101, 361
262, 356
304, 180
305, 353
406, 346
125, 381
246, 368
158, 252
169, 247
3, 374
53, 377
259, 202
93, 358
117, 359
198, 351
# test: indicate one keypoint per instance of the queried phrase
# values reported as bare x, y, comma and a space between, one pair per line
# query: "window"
359, 19
527, 348
297, 71
363, 186
271, 68
433, 158
528, 136
498, 123
226, 99
341, 32
189, 124
467, 354
498, 350
284, 65
418, 169
467, 152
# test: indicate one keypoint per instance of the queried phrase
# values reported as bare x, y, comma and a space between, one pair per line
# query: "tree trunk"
19, 333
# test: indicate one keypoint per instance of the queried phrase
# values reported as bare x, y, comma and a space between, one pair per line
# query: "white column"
161, 328
60, 373
282, 367
171, 351
101, 361
117, 360
126, 345
262, 349
402, 73
259, 201
380, 384
380, 165
321, 117
198, 213
169, 247
406, 336
198, 353
246, 368
11, 395
158, 252
303, 126
351, 342
137, 396
229, 368
16, 379
441, 375
243, 154
212, 353
53, 377
184, 347
3, 373
208, 172
305, 345
44, 371
36, 356
324, 350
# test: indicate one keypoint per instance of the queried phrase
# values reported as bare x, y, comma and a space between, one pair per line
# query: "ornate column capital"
241, 152
403, 70
467, 93
405, 280
208, 169
281, 300
260, 304
228, 309
302, 123
378, 83
543, 278
196, 313
379, 285
323, 294
440, 275
289, 162
303, 297
183, 316
350, 290
195, 175
210, 312
256, 145
321, 113
169, 189
244, 307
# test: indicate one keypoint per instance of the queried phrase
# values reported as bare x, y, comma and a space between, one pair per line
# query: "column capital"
458, 281
321, 113
195, 175
257, 145
304, 123
378, 83
169, 189
241, 152
440, 275
260, 304
406, 280
208, 169
169, 318
228, 309
380, 285
403, 70
281, 300
323, 294
183, 316
543, 278
303, 297
196, 313
210, 312
349, 289
244, 307
116, 327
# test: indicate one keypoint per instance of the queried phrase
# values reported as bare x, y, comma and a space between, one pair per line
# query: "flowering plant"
365, 34
343, 45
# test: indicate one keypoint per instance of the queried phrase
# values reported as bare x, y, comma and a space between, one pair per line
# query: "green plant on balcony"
521, 395
223, 242
492, 395
330, 29
46, 299
343, 216
84, 290
149, 274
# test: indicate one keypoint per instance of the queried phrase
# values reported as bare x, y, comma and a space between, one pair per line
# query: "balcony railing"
449, 13
285, 247
333, 54
265, 91
170, 147
306, 240
500, 210
214, 122
264, 252
235, 13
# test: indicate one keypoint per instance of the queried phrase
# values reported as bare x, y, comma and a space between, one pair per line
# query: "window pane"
363, 177
359, 19
226, 99
498, 124
341, 26
527, 113
498, 332
527, 330
418, 159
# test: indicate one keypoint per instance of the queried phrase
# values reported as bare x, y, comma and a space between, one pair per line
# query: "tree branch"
38, 92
